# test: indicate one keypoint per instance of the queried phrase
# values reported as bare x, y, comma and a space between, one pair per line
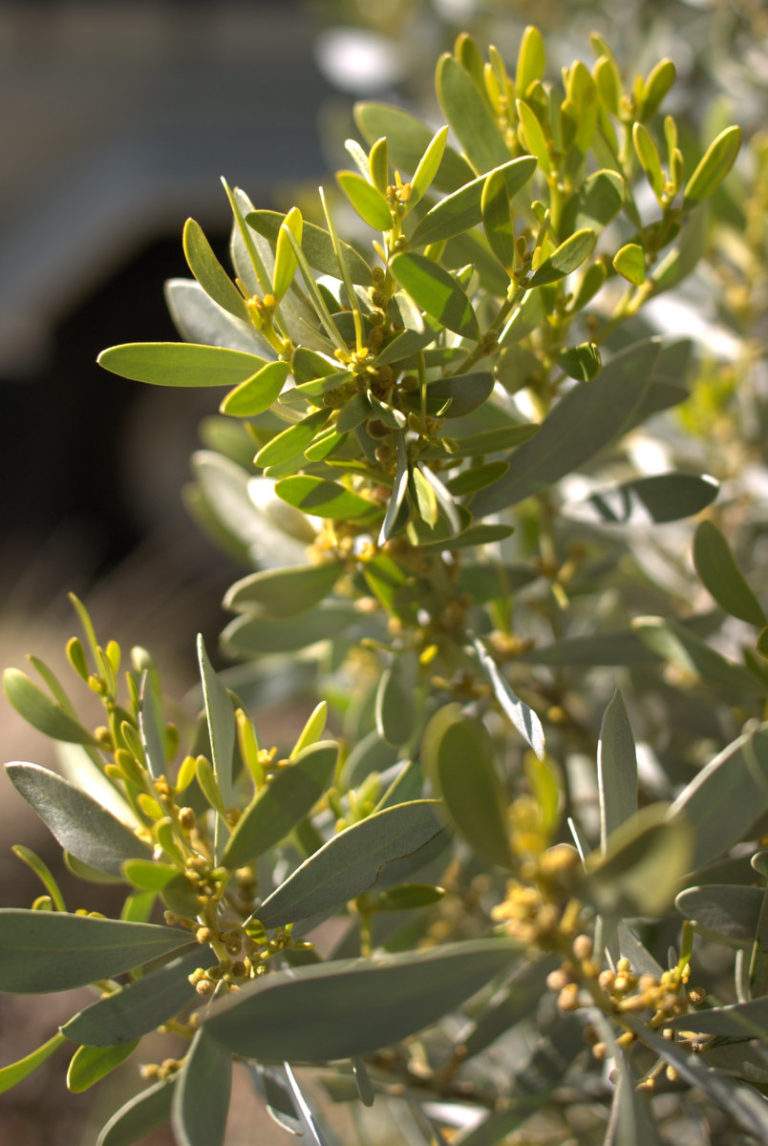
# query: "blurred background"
120, 118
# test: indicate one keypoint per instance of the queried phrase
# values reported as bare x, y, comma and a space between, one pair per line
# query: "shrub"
456, 543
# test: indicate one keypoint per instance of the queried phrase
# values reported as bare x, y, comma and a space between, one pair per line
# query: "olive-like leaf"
725, 909
585, 420
316, 244
209, 272
279, 806
713, 167
292, 441
283, 592
89, 1065
16, 1072
681, 646
644, 861
366, 199
138, 1007
220, 715
458, 212
44, 951
717, 568
258, 393
470, 116
631, 1118
325, 498
257, 636
457, 753
726, 798
521, 715
660, 498
200, 1102
735, 1021
141, 1114
76, 820
629, 261
616, 768
180, 363
436, 292
394, 709
351, 862
353, 1006
40, 711
566, 258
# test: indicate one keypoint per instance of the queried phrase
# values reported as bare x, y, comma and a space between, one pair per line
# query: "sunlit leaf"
408, 139
629, 261
209, 272
283, 592
436, 292
180, 363
713, 167
16, 1072
90, 1064
256, 636
40, 711
325, 498
470, 116
521, 715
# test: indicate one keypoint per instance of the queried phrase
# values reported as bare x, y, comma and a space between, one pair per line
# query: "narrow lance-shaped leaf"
522, 716
533, 135
353, 1006
616, 769
138, 1007
436, 292
89, 1065
283, 592
629, 261
201, 1095
281, 803
316, 244
394, 709
324, 498
428, 166
16, 1072
366, 199
457, 752
140, 1115
680, 645
44, 951
221, 721
151, 728
209, 272
393, 517
713, 167
497, 220
470, 116
457, 213
660, 498
285, 257
258, 393
40, 711
407, 139
717, 568
566, 258
351, 862
76, 820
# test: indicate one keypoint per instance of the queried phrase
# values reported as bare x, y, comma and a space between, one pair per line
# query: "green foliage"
430, 462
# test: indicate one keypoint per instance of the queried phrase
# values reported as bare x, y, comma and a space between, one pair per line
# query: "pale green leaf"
564, 259
462, 209
678, 644
220, 716
470, 116
257, 636
256, 394
518, 712
16, 1072
325, 498
293, 441
40, 711
616, 769
660, 498
629, 261
726, 910
407, 140
713, 167
428, 166
436, 292
209, 272
180, 363
367, 200
89, 1065
141, 1114
283, 592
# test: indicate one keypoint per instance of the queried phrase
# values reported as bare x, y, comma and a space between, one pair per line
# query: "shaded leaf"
44, 951
351, 862
631, 1117
676, 643
397, 508
200, 1102
283, 592
616, 769
597, 201
353, 1006
457, 753
279, 806
532, 133
485, 442
735, 1021
394, 709
610, 649
429, 165
581, 362
644, 861
436, 292
660, 498
140, 1006
89, 1065
725, 909
141, 1114
455, 396
180, 363
257, 636
585, 420
717, 568
220, 716
76, 820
